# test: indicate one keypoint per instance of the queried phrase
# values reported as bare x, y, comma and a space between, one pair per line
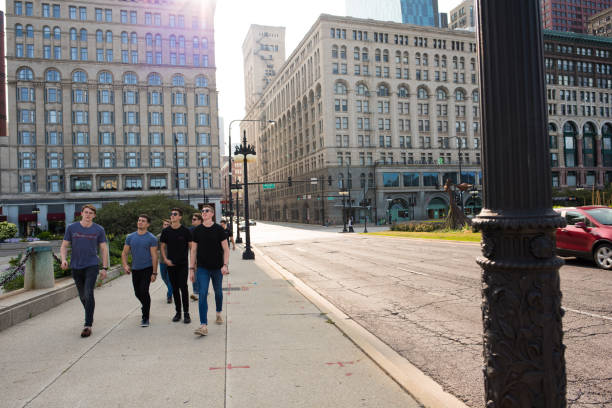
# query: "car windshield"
601, 215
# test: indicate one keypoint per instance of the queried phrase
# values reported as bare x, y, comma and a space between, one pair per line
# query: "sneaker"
201, 331
86, 332
193, 296
219, 320
187, 319
176, 317
169, 300
144, 323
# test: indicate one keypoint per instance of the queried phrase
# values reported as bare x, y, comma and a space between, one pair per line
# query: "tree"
121, 219
7, 230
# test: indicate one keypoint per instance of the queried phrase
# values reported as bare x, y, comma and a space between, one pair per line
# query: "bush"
417, 226
7, 230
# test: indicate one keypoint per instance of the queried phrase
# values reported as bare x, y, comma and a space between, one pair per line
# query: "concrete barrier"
39, 267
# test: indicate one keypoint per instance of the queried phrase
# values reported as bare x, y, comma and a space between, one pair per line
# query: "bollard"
39, 267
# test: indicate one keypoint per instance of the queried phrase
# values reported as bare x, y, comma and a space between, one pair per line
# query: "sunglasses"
174, 213
206, 210
195, 219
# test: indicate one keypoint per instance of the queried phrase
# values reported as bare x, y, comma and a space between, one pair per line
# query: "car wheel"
603, 256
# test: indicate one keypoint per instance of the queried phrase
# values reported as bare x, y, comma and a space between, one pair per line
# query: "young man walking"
175, 244
211, 251
143, 246
85, 237
196, 219
229, 234
163, 268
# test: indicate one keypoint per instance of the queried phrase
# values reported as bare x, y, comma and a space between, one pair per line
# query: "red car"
588, 234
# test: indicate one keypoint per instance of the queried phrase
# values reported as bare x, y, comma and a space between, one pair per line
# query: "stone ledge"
20, 305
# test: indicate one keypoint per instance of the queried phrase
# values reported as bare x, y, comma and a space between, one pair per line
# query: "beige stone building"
385, 112
600, 24
108, 101
464, 16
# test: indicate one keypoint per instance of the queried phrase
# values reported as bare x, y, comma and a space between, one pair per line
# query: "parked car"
242, 225
588, 234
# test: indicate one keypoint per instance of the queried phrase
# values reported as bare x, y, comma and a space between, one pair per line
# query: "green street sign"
331, 198
269, 186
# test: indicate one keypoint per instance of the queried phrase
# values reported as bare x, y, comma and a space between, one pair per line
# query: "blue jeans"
163, 268
204, 276
85, 281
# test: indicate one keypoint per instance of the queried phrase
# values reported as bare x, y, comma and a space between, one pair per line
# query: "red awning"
3, 218
77, 214
28, 217
56, 216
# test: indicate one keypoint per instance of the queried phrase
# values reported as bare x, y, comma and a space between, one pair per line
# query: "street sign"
313, 180
269, 186
331, 198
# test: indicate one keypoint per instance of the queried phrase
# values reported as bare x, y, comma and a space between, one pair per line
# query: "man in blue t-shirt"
143, 246
85, 237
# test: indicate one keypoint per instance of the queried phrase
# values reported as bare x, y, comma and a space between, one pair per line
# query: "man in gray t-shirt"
143, 246
85, 237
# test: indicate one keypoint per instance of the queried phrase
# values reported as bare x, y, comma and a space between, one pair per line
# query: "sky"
232, 21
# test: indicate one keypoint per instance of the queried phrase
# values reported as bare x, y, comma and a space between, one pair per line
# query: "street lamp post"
238, 238
343, 193
176, 174
524, 362
459, 142
246, 152
229, 164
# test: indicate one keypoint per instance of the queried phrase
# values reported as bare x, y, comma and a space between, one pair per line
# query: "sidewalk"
275, 350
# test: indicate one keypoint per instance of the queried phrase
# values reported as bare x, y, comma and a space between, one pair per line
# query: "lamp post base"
239, 240
248, 254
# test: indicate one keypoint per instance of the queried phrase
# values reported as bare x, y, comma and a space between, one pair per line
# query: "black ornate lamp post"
237, 189
176, 173
343, 193
523, 347
246, 152
459, 142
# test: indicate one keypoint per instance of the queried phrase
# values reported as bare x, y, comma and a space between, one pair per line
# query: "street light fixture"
231, 204
246, 153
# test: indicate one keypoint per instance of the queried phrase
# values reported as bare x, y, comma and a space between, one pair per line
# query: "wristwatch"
105, 268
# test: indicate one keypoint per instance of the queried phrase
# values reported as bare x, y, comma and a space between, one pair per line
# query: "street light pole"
246, 152
176, 174
459, 141
524, 362
238, 238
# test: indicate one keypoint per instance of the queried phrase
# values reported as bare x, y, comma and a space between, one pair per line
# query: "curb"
26, 309
424, 389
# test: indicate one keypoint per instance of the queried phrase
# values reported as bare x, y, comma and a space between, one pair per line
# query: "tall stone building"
385, 112
263, 52
108, 101
600, 24
464, 16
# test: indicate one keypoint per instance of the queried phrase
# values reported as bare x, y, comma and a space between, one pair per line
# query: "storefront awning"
28, 217
56, 216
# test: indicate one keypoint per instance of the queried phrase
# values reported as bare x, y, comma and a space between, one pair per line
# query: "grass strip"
466, 236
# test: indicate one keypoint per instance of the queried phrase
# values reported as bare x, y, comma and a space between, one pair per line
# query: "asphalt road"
422, 297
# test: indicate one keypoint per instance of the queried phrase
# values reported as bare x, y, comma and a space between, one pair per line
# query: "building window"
27, 184
158, 183
107, 160
81, 160
133, 183
157, 159
204, 159
132, 159
132, 138
27, 160
204, 139
131, 118
81, 184
55, 183
156, 138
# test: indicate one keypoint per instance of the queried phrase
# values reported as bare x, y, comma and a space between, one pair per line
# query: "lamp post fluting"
246, 152
459, 142
238, 237
524, 362
176, 173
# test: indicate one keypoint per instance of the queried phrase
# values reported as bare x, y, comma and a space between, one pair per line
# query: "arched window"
130, 78
52, 75
340, 88
172, 41
441, 94
204, 43
364, 54
362, 90
154, 79
343, 52
109, 36
443, 62
201, 82
178, 80
383, 90
455, 66
425, 60
149, 39
462, 63
377, 55
398, 60
569, 144
19, 30
73, 34
403, 92
475, 96
334, 51
588, 145
158, 42
385, 55
57, 33
134, 38
406, 59
46, 32
181, 41
79, 76
29, 31
99, 36
606, 145
422, 93
196, 42
417, 58
436, 60
83, 34
105, 78
356, 54
459, 95
25, 74
124, 37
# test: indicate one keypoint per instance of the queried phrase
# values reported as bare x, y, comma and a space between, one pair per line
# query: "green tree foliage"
7, 230
121, 219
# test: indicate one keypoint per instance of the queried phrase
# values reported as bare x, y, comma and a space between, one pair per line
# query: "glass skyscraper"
420, 12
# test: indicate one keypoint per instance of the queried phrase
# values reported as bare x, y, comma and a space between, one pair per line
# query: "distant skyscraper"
381, 10
420, 12
570, 15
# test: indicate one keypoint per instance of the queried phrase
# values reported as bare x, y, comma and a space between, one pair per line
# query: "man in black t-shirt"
176, 242
228, 234
211, 251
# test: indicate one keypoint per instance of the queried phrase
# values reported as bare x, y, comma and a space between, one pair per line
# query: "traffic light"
289, 182
329, 180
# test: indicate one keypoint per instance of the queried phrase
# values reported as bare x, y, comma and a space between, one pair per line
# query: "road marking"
341, 363
229, 367
587, 313
408, 270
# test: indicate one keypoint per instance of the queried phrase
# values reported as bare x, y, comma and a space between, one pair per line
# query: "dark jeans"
141, 279
85, 281
205, 276
178, 279
163, 269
